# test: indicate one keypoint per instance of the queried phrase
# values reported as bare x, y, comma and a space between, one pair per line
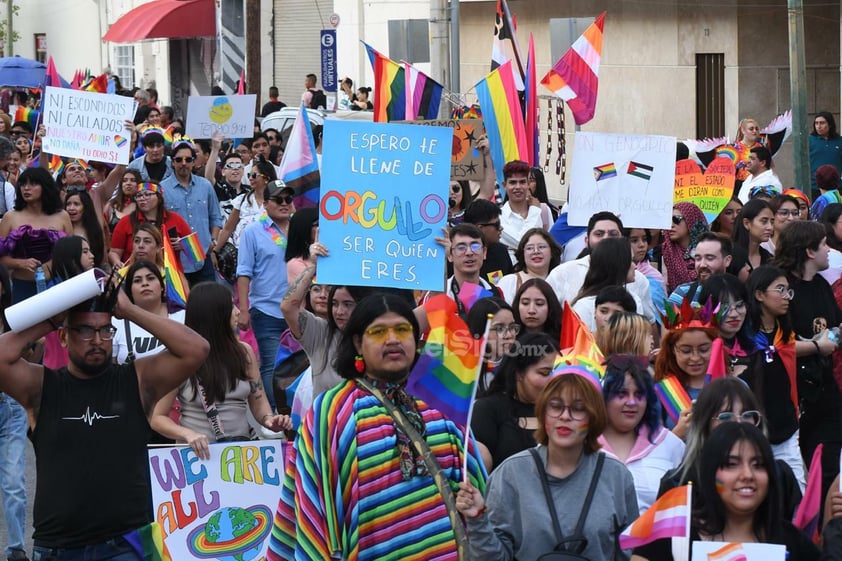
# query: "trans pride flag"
445, 374
668, 517
299, 166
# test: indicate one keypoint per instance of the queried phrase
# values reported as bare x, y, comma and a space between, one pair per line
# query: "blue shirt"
680, 293
262, 260
198, 206
139, 164
823, 152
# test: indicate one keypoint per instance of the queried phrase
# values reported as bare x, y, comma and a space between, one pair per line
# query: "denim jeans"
267, 330
13, 425
206, 273
116, 549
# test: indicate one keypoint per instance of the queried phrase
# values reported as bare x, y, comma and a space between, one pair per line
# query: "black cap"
275, 188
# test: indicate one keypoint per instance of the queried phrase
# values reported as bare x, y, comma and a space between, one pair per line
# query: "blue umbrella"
22, 72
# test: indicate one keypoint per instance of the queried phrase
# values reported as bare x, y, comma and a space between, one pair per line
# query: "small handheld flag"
673, 397
668, 517
192, 248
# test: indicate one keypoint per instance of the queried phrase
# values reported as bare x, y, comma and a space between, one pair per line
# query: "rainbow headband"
149, 187
181, 141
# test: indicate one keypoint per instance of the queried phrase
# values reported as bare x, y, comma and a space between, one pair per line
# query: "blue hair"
616, 368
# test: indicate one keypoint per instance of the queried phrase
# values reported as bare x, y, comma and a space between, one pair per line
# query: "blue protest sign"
327, 40
384, 201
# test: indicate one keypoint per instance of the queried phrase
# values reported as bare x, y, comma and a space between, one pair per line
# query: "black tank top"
92, 468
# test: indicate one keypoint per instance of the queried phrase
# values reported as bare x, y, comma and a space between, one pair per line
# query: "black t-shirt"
92, 467
812, 310
156, 171
497, 263
496, 423
798, 546
768, 379
271, 107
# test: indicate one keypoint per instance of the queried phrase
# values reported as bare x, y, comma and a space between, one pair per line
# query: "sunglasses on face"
255, 175
283, 199
677, 219
183, 159
234, 165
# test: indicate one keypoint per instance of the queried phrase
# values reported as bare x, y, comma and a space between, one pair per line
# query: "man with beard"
712, 257
89, 424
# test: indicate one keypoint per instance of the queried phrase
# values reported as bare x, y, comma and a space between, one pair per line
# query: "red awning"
165, 19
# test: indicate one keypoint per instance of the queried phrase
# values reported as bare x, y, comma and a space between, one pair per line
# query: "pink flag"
807, 516
51, 77
241, 87
531, 119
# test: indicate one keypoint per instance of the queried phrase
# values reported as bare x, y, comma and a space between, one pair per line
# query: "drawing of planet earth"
231, 534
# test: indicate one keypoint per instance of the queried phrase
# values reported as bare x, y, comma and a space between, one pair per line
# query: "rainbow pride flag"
389, 87
730, 552
575, 77
673, 396
445, 374
27, 114
176, 291
192, 248
299, 166
605, 171
668, 517
423, 94
148, 543
503, 119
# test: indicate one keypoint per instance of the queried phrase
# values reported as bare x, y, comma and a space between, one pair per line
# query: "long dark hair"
709, 514
552, 325
264, 166
610, 263
831, 124
90, 222
299, 237
476, 320
357, 293
367, 311
67, 257
208, 313
830, 215
120, 198
50, 197
153, 268
541, 194
160, 217
750, 210
761, 279
717, 289
530, 350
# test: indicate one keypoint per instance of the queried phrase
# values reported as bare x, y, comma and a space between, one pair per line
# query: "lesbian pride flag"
445, 374
668, 517
730, 552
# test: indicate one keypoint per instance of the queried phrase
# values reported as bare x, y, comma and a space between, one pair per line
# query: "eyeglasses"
462, 248
183, 159
738, 306
234, 165
540, 247
143, 195
500, 329
556, 407
495, 225
785, 292
282, 200
752, 417
380, 333
87, 333
783, 213
677, 219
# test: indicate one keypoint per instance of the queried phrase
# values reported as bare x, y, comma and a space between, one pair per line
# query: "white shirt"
514, 226
768, 177
567, 280
143, 342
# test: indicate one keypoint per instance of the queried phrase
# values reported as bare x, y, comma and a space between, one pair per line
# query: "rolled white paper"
55, 300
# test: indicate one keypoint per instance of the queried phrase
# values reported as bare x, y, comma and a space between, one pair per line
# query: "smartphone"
173, 233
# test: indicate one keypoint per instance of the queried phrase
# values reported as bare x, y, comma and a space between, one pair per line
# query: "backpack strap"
547, 495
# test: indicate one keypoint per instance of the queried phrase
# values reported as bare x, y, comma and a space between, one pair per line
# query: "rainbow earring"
359, 364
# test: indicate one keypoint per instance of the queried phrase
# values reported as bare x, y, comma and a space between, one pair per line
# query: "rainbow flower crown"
690, 316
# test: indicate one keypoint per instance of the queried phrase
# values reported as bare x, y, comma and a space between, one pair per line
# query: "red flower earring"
359, 364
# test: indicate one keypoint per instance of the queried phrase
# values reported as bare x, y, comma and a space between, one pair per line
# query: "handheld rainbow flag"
668, 517
673, 397
148, 543
575, 77
806, 517
389, 87
470, 292
192, 248
299, 165
176, 291
423, 94
27, 114
730, 552
98, 84
503, 119
445, 374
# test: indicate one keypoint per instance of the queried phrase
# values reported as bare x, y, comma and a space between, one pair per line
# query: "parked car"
283, 120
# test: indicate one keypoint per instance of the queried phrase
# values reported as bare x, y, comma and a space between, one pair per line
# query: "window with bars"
124, 65
710, 95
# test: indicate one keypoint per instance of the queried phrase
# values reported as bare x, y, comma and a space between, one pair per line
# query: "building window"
710, 95
124, 65
41, 47
409, 39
